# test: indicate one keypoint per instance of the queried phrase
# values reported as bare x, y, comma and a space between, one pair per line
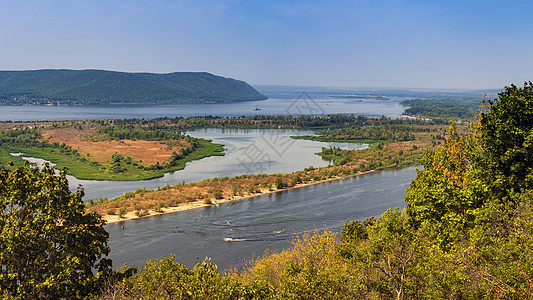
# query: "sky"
444, 44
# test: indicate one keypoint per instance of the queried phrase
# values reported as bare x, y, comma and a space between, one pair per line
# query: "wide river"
257, 224
282, 101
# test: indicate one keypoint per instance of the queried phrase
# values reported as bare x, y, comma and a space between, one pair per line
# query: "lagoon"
248, 151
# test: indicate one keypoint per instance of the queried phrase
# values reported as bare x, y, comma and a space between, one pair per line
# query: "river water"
249, 151
282, 101
256, 224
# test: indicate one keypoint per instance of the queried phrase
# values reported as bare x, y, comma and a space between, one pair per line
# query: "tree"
280, 184
48, 246
392, 252
446, 194
506, 135
474, 198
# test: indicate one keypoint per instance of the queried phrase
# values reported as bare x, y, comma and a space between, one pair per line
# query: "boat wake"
230, 240
267, 236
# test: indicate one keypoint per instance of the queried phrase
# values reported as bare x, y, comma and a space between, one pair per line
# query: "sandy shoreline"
110, 219
414, 117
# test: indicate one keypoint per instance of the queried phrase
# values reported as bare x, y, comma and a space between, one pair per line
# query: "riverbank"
184, 196
110, 219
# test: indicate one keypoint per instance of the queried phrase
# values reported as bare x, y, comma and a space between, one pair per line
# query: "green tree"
166, 279
506, 135
392, 252
49, 247
446, 194
474, 196
280, 184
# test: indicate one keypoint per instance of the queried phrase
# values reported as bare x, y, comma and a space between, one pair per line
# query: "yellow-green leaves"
48, 246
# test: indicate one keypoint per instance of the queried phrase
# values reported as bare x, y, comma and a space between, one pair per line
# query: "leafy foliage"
463, 109
49, 247
506, 135
446, 194
166, 279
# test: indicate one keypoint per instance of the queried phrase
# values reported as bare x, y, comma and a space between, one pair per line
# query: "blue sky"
367, 43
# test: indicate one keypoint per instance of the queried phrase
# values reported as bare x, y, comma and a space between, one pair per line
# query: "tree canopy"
49, 247
475, 173
506, 137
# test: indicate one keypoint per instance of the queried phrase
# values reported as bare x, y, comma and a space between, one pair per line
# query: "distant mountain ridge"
112, 87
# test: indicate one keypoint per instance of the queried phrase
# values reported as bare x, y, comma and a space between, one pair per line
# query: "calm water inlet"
250, 151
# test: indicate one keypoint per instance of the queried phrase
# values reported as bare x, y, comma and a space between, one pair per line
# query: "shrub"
217, 194
280, 184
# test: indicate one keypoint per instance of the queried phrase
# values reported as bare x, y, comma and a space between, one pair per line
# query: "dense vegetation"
332, 121
375, 130
107, 87
459, 109
83, 163
49, 247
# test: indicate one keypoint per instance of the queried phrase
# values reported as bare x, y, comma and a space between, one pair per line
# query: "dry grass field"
87, 143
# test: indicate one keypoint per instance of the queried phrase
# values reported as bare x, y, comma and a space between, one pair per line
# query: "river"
248, 151
281, 101
256, 224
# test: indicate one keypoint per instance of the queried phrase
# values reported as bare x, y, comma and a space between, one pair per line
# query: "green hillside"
109, 87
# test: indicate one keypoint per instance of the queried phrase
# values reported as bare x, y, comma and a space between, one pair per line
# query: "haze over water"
282, 101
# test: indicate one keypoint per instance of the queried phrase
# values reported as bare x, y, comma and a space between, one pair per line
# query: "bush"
280, 184
166, 279
158, 208
141, 213
217, 194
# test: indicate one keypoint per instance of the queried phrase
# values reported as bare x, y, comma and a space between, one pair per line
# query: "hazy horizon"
362, 88
348, 43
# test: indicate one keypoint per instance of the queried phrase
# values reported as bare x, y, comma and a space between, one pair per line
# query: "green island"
103, 150
395, 143
467, 231
134, 149
459, 109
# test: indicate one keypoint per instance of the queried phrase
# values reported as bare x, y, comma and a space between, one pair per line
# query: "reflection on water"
247, 151
232, 233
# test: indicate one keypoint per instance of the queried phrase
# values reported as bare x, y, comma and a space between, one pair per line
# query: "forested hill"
110, 87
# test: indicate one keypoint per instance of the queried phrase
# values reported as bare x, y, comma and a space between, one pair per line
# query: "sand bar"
200, 203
